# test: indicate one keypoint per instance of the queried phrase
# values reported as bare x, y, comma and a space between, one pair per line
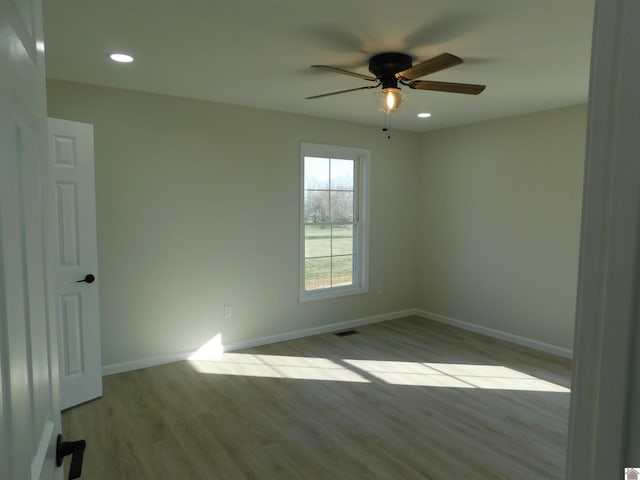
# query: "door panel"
69, 317
77, 305
67, 224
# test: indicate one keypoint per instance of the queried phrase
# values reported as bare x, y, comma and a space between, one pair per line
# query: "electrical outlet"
379, 289
227, 311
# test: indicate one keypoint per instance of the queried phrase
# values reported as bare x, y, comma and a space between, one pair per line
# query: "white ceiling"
532, 54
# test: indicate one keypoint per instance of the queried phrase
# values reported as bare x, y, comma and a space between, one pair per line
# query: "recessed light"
121, 57
424, 115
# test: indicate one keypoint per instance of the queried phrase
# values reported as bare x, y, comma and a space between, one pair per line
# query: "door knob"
88, 279
76, 450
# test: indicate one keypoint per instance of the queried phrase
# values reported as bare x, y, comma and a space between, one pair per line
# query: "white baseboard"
144, 363
255, 342
336, 327
509, 337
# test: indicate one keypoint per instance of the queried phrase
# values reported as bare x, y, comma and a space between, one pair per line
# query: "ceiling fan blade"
342, 91
468, 88
346, 72
435, 64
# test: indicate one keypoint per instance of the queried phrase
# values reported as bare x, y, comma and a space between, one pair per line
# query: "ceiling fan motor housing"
385, 66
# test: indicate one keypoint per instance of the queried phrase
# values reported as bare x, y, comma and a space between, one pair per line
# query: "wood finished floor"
403, 399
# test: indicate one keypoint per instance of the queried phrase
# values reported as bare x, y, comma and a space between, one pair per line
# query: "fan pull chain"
387, 124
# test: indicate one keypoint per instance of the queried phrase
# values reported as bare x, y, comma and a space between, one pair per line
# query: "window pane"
316, 173
316, 207
342, 240
342, 271
341, 207
317, 273
342, 174
317, 241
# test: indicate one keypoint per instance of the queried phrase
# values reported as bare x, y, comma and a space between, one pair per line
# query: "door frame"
607, 318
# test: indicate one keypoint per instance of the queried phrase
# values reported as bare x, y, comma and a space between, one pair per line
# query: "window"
333, 221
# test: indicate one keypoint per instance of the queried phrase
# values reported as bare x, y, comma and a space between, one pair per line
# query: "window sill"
328, 293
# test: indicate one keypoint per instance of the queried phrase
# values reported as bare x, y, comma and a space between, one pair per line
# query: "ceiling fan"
391, 68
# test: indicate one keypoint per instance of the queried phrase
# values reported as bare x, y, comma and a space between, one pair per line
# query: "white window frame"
362, 159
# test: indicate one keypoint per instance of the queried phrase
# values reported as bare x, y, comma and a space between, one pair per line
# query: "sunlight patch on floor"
210, 359
493, 377
276, 366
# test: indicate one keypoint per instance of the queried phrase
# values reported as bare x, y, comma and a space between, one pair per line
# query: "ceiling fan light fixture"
390, 68
391, 99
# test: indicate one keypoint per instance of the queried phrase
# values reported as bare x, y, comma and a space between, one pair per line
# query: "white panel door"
29, 407
71, 166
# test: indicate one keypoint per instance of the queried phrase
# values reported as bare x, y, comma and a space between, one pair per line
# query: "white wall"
499, 205
197, 207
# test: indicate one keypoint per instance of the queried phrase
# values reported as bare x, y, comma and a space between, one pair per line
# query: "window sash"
335, 252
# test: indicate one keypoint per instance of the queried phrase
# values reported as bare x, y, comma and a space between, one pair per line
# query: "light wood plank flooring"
403, 399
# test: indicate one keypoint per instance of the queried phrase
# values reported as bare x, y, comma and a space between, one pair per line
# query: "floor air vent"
345, 333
